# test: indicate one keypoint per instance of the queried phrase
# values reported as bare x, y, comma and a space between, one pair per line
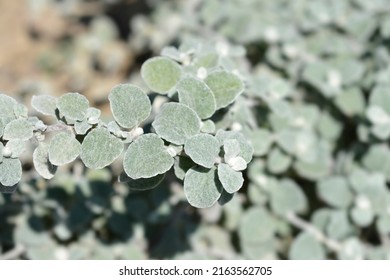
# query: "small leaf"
225, 87
231, 148
73, 106
362, 217
287, 196
82, 127
256, 226
335, 192
176, 123
202, 187
7, 104
339, 225
20, 111
225, 197
383, 224
160, 74
351, 102
130, 106
352, 249
230, 179
197, 95
41, 161
203, 149
246, 149
18, 129
45, 104
15, 147
237, 163
277, 161
10, 171
63, 149
1, 152
100, 148
147, 157
143, 184
306, 247
261, 141
208, 126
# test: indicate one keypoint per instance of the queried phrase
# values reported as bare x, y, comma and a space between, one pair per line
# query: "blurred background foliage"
317, 110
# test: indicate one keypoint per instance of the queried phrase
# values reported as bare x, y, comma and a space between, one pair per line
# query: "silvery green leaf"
100, 148
351, 249
329, 127
377, 115
7, 104
16, 147
93, 115
377, 159
176, 123
41, 161
143, 184
362, 217
10, 171
147, 157
320, 218
1, 152
230, 179
20, 111
202, 187
207, 126
280, 107
383, 224
197, 95
3, 123
203, 149
351, 101
129, 105
63, 148
82, 127
299, 143
277, 161
380, 97
182, 165
73, 106
114, 128
287, 196
225, 87
256, 226
237, 163
261, 140
246, 149
339, 225
160, 74
381, 131
18, 129
335, 192
231, 148
45, 104
306, 247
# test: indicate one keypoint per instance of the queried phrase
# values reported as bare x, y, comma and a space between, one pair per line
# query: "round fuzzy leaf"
225, 87
18, 129
45, 104
10, 171
277, 161
287, 196
202, 187
15, 147
256, 226
261, 141
63, 149
129, 105
1, 152
73, 106
3, 123
197, 95
352, 249
82, 127
41, 161
203, 149
160, 74
176, 123
306, 247
335, 192
147, 157
246, 149
144, 184
230, 179
100, 148
7, 106
362, 217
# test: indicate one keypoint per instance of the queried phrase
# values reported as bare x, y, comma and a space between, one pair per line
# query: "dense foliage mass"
273, 117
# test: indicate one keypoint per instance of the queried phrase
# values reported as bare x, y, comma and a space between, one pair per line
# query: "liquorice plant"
198, 86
